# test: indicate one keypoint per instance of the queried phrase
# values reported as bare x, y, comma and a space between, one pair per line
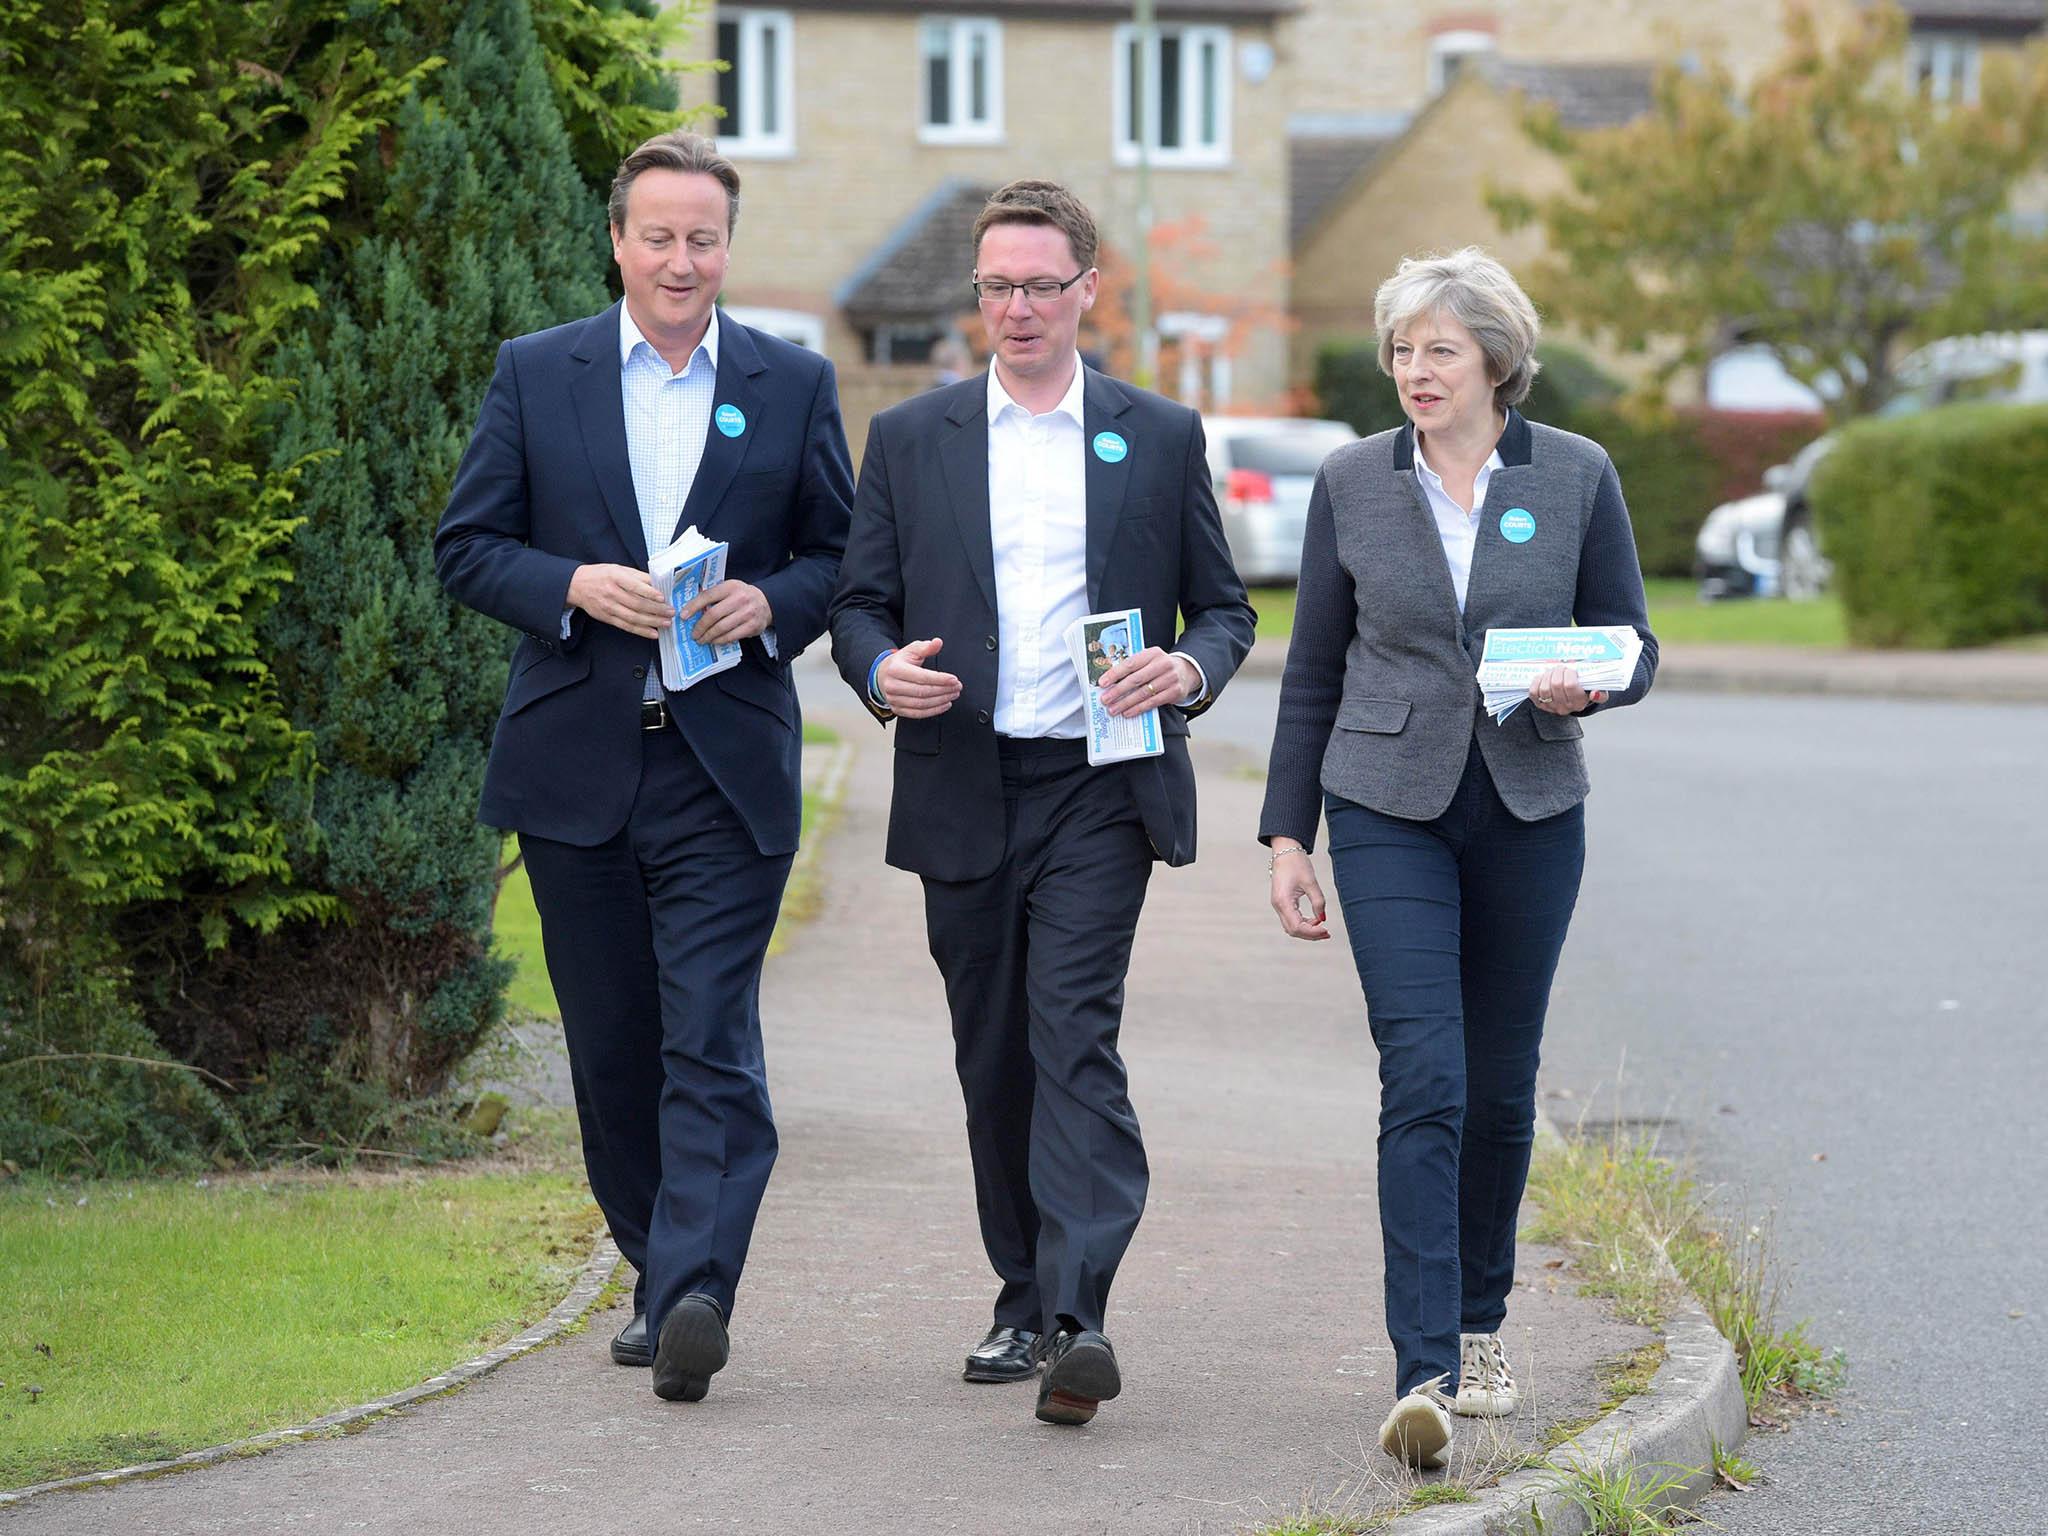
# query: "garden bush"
1933, 526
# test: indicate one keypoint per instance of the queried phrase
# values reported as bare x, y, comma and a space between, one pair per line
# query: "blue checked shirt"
668, 416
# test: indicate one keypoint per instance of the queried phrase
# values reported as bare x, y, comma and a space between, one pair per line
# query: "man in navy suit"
991, 514
658, 828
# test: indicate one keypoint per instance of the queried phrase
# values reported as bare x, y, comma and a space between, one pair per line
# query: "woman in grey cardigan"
1456, 843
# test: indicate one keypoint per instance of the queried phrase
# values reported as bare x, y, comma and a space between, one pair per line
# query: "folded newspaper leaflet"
1604, 657
1098, 642
680, 572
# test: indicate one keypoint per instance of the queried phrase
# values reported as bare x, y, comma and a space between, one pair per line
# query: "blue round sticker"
1517, 526
732, 421
1110, 448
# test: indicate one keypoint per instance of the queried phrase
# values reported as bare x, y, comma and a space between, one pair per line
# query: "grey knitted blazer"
1379, 704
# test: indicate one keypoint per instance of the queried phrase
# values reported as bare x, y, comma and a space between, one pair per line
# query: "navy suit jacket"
920, 561
546, 486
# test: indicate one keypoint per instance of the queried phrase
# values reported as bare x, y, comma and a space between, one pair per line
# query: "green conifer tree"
476, 226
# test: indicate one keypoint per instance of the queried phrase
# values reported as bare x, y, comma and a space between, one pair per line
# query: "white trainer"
1486, 1387
1418, 1431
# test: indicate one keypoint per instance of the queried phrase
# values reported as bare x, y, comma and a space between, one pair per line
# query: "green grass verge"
1275, 608
1616, 1204
148, 1319
516, 926
1677, 617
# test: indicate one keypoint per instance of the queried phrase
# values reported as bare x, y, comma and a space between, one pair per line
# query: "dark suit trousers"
1456, 926
654, 944
1034, 957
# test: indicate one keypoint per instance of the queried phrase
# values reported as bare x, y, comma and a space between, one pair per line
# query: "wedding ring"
1151, 688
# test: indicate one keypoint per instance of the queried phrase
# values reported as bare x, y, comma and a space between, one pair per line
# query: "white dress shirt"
1038, 524
1458, 528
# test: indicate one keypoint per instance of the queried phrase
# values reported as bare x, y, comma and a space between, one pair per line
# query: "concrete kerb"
1693, 1404
590, 1283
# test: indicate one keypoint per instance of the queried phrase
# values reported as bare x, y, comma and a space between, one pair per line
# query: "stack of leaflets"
1098, 642
680, 572
1605, 658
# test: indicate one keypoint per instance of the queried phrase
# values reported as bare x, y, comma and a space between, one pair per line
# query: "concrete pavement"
1247, 1315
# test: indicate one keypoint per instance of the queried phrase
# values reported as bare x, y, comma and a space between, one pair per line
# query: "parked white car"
1264, 468
1767, 546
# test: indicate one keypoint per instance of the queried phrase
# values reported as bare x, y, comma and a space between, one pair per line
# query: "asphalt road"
1812, 945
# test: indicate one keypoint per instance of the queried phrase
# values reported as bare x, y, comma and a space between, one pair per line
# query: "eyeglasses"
1041, 290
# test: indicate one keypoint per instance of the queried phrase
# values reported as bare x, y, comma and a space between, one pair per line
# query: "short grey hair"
677, 150
1480, 294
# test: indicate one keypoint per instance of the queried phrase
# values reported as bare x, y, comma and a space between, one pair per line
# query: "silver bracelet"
1275, 855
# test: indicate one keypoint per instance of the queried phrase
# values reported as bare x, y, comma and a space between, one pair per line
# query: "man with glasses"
990, 515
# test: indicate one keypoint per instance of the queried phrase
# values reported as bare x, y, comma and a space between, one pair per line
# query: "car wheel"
1802, 569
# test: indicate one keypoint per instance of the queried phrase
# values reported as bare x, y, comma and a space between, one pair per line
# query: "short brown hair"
1041, 202
677, 150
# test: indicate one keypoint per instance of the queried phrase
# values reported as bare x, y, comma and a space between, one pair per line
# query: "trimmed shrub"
1933, 528
163, 176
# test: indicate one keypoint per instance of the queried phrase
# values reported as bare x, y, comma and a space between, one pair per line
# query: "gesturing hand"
621, 596
1146, 681
1555, 690
1294, 880
912, 690
732, 610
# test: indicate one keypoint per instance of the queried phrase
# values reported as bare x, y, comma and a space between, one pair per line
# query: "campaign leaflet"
680, 572
1604, 657
1098, 642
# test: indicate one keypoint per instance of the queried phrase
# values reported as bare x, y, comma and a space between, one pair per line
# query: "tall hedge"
164, 171
474, 225
1936, 537
247, 306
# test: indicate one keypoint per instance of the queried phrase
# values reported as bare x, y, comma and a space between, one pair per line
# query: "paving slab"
1247, 1316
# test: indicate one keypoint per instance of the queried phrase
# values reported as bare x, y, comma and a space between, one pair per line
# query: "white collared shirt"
1038, 525
1458, 528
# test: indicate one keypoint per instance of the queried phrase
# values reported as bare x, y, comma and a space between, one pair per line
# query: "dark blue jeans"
1456, 925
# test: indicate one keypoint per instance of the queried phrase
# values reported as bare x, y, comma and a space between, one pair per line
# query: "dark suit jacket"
920, 562
547, 486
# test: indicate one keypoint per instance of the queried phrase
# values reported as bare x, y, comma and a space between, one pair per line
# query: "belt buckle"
653, 714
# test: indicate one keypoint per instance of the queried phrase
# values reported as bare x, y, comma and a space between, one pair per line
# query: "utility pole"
1142, 112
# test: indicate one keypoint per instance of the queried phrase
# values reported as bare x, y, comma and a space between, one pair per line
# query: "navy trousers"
1456, 926
1034, 958
654, 944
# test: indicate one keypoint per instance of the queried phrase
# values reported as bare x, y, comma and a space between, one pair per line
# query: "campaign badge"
732, 421
1110, 448
1517, 526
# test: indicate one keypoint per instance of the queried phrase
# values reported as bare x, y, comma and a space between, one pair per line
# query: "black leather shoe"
692, 1348
631, 1346
1080, 1372
1006, 1354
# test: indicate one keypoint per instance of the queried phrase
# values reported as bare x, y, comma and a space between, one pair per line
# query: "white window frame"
1193, 39
1202, 340
1446, 46
1951, 61
799, 326
742, 135
960, 34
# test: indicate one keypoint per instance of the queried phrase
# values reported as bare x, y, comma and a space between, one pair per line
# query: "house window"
1203, 360
962, 68
795, 325
1451, 53
1944, 66
754, 91
1173, 97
